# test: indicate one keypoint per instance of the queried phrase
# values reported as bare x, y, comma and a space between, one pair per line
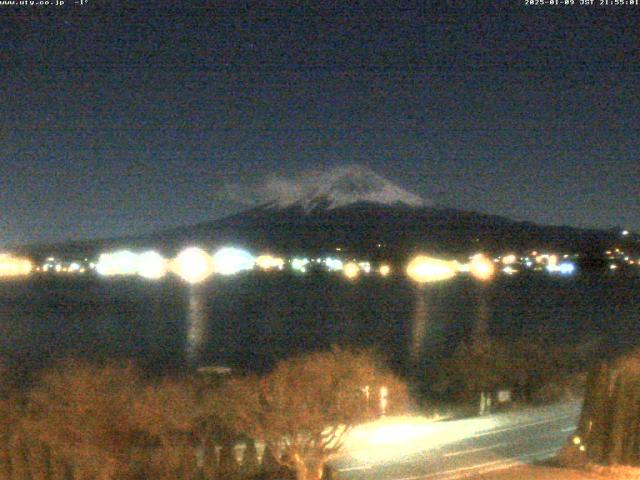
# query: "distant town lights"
230, 260
567, 268
384, 270
193, 265
509, 259
509, 270
333, 264
351, 270
11, 266
121, 262
481, 267
152, 265
424, 269
300, 264
269, 262
365, 267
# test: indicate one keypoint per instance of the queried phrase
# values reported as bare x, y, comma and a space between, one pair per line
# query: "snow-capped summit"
347, 185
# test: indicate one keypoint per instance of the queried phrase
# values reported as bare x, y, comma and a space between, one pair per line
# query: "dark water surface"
250, 321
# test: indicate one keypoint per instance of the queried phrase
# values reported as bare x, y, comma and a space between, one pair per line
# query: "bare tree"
84, 415
169, 413
609, 426
306, 406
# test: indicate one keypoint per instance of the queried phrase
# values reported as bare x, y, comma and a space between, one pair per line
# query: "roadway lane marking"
518, 426
473, 450
351, 469
569, 429
508, 463
501, 464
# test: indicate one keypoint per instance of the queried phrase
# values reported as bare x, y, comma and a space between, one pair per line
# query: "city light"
509, 259
192, 265
300, 264
152, 265
121, 262
351, 270
11, 266
509, 270
333, 264
424, 269
567, 268
481, 267
384, 270
230, 260
269, 262
365, 267
73, 267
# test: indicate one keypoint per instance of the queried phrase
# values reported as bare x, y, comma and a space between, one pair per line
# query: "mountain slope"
360, 212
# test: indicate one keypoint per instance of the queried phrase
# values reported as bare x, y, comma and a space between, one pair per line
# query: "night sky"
119, 120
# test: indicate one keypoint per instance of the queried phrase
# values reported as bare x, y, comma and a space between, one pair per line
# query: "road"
412, 448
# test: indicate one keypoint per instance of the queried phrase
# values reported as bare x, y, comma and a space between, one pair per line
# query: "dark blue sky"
118, 120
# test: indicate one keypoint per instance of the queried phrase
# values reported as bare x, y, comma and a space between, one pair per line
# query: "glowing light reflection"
333, 264
391, 438
509, 259
230, 260
300, 264
197, 326
11, 266
121, 262
192, 265
351, 270
481, 267
424, 269
269, 262
152, 265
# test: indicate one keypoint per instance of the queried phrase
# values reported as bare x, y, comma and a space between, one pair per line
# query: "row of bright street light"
192, 264
195, 265
424, 269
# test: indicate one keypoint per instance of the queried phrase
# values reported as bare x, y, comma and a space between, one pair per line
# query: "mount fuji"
355, 210
344, 186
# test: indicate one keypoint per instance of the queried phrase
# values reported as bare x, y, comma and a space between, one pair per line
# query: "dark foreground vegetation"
81, 421
610, 422
533, 372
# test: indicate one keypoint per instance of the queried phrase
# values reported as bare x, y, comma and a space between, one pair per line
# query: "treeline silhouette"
534, 372
81, 421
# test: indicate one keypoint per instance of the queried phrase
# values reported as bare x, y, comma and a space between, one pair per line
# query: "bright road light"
152, 265
269, 262
121, 262
351, 270
11, 266
230, 260
193, 265
384, 270
481, 267
424, 269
